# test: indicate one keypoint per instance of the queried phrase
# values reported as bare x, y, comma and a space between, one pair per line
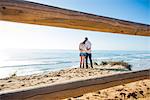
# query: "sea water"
27, 62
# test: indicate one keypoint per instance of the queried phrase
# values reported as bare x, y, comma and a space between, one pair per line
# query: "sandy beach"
135, 90
40, 42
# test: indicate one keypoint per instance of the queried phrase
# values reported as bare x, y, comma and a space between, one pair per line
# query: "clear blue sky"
16, 35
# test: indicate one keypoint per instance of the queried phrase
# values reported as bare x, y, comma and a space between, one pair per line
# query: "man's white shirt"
88, 45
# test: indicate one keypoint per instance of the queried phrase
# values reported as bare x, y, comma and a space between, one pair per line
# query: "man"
88, 52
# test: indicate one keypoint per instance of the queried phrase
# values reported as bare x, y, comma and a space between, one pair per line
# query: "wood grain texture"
74, 88
34, 13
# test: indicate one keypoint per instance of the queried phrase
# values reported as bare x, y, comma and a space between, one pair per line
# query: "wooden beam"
35, 13
74, 88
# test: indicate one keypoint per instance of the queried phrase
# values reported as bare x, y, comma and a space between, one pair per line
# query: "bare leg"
83, 59
80, 61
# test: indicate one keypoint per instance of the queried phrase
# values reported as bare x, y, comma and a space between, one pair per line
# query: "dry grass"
113, 63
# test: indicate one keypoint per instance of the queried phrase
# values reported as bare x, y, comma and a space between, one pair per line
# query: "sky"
27, 36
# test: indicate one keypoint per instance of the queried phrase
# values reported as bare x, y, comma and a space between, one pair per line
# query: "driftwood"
34, 13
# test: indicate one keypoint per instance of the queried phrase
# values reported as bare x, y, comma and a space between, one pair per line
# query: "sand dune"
135, 90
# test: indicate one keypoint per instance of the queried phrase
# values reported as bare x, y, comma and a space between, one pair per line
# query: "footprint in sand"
9, 81
2, 85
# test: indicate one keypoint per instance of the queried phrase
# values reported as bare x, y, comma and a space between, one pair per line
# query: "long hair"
84, 41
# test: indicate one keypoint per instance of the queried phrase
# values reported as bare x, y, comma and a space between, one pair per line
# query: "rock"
95, 63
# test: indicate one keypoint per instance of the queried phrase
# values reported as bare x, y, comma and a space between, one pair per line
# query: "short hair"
86, 38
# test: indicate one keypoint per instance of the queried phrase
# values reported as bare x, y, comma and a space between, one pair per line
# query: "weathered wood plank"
34, 13
74, 88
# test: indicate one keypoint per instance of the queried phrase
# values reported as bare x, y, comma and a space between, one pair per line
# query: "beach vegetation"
13, 74
113, 63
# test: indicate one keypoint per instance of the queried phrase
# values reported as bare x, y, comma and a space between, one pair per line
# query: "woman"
82, 50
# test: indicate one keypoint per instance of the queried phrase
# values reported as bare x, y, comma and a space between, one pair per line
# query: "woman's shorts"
82, 54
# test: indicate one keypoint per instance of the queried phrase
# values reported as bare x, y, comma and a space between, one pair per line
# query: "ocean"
27, 62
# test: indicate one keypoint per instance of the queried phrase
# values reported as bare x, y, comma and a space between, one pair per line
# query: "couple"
85, 53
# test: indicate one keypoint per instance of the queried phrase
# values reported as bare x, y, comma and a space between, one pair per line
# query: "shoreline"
55, 77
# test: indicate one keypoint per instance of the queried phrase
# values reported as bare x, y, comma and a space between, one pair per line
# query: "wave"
40, 64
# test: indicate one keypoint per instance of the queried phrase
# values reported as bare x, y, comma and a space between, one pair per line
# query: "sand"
139, 90
135, 90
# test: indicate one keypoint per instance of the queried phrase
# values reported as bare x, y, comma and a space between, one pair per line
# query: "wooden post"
35, 13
